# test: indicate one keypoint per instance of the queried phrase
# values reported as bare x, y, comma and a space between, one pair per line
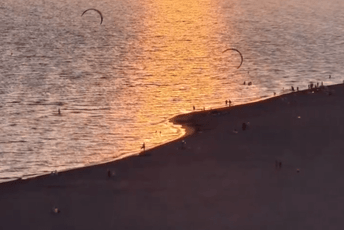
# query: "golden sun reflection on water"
175, 56
179, 69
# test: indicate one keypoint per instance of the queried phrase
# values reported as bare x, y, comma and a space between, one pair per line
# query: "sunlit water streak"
118, 83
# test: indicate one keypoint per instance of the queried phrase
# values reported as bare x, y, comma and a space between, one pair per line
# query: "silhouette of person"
244, 126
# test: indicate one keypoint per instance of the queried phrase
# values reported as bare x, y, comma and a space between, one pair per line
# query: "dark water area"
118, 83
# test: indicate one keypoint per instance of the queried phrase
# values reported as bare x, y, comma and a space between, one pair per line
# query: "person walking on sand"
143, 146
244, 126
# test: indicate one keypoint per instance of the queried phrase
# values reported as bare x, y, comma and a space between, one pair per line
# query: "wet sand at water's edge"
219, 179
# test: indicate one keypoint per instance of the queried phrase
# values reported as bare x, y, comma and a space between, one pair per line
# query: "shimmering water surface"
118, 83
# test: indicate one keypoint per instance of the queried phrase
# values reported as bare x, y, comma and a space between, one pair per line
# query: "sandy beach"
220, 179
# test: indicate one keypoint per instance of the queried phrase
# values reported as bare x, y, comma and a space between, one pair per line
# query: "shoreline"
219, 178
188, 130
176, 120
188, 123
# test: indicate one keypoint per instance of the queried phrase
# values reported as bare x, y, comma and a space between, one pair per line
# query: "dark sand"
221, 180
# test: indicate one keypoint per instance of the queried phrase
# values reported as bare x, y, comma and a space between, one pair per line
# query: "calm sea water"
118, 83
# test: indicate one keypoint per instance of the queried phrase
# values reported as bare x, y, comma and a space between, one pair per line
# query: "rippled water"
118, 83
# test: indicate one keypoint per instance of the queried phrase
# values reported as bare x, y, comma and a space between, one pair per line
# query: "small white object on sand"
183, 144
56, 210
